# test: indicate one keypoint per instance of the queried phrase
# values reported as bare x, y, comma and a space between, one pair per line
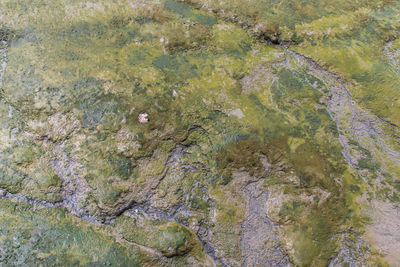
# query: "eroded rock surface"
199, 133
260, 243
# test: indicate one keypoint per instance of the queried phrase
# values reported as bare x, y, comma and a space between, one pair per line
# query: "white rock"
236, 112
143, 117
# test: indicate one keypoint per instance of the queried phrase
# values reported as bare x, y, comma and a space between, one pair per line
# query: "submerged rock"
187, 133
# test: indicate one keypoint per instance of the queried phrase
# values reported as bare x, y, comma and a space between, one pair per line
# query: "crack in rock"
350, 119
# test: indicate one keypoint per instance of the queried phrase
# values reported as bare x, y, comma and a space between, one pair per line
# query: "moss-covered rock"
224, 111
169, 238
51, 236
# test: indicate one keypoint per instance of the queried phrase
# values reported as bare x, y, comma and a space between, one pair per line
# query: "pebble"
143, 117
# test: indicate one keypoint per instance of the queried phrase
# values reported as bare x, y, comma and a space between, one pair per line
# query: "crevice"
44, 204
4, 194
388, 122
342, 107
148, 212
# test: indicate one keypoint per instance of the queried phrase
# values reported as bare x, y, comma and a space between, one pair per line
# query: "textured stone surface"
199, 133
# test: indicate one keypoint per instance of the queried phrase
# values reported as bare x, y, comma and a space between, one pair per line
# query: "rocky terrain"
199, 133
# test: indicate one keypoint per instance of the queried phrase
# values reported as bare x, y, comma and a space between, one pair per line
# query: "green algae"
25, 168
171, 239
51, 236
104, 70
186, 11
357, 55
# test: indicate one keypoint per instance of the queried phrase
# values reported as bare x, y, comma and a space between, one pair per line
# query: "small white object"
136, 211
10, 113
143, 117
174, 93
236, 112
162, 40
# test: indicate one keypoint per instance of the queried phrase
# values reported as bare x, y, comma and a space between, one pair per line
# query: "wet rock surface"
174, 133
260, 243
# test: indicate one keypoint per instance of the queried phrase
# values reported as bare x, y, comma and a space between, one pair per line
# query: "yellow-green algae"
53, 237
170, 238
101, 63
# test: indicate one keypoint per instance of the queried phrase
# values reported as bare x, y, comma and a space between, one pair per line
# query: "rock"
143, 118
237, 113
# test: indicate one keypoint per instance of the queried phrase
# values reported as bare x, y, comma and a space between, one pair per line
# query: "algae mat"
199, 133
